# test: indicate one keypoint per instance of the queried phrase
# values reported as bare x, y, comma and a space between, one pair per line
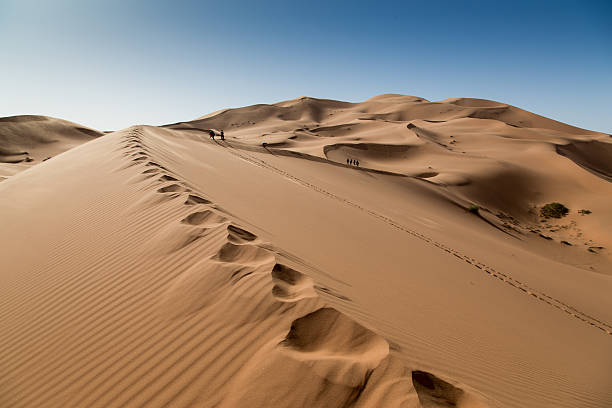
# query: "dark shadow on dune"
434, 392
335, 128
237, 235
10, 159
427, 174
595, 157
89, 132
372, 150
23, 118
497, 227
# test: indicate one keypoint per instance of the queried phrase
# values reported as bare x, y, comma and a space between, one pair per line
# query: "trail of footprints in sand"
138, 153
289, 284
321, 330
492, 272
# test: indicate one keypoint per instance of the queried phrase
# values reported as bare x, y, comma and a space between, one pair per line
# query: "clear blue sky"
110, 64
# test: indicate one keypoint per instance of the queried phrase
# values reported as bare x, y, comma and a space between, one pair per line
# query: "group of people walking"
212, 134
352, 162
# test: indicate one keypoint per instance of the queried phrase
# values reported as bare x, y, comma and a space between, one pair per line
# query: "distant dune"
28, 139
388, 253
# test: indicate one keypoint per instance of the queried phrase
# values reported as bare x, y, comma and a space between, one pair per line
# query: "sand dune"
28, 140
230, 274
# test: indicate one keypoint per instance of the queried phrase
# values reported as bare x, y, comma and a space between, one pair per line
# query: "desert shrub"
584, 212
473, 209
554, 210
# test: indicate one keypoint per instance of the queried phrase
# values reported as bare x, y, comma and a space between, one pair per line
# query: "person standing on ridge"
211, 133
222, 135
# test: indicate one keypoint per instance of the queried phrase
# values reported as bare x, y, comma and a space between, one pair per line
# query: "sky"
111, 64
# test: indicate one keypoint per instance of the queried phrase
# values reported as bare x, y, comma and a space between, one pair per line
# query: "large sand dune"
157, 267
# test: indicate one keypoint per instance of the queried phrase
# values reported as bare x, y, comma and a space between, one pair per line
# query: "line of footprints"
289, 284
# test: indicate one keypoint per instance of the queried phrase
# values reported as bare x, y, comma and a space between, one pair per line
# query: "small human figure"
212, 134
357, 163
222, 135
351, 162
348, 161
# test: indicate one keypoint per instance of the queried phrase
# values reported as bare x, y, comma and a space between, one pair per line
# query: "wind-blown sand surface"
156, 267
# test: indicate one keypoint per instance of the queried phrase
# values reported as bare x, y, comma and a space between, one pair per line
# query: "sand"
27, 140
154, 266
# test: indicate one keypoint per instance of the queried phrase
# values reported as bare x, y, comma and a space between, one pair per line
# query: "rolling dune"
27, 140
177, 270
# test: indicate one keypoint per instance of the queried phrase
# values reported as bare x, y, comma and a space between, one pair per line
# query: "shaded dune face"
593, 156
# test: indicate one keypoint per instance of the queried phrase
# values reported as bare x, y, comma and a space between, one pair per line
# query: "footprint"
194, 199
172, 188
243, 254
206, 217
335, 347
237, 235
291, 285
434, 392
155, 165
287, 275
167, 178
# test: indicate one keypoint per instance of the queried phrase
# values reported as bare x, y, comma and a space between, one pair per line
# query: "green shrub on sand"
554, 210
